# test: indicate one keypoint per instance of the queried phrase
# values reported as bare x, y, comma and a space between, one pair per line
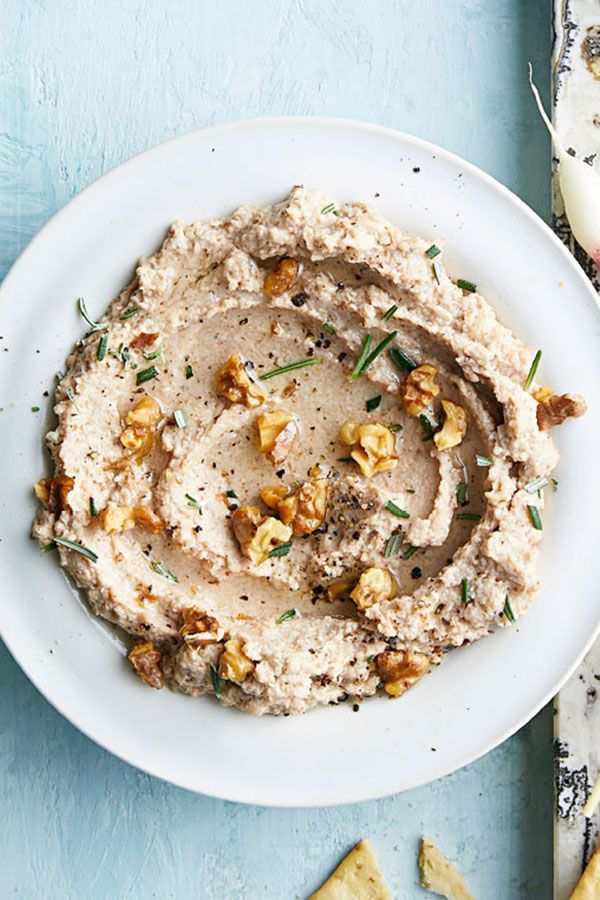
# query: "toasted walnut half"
141, 422
282, 277
234, 665
198, 624
399, 670
233, 382
256, 534
375, 585
115, 519
277, 433
304, 509
559, 407
419, 389
542, 392
373, 447
145, 660
53, 492
454, 428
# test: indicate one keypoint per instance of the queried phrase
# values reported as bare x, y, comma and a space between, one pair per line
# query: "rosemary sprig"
77, 547
146, 375
396, 511
282, 550
366, 347
402, 360
162, 570
289, 614
291, 367
533, 370
95, 326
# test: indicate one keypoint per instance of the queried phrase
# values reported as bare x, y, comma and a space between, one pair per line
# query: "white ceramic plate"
479, 696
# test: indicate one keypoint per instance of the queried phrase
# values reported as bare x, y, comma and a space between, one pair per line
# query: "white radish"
580, 189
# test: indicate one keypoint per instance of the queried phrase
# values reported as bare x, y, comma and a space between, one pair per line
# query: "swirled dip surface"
449, 532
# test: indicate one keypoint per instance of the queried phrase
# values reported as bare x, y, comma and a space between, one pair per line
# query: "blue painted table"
84, 85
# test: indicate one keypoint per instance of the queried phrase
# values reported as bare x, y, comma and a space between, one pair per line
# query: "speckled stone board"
85, 84
576, 96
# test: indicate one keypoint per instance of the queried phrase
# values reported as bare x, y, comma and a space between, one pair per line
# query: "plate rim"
326, 122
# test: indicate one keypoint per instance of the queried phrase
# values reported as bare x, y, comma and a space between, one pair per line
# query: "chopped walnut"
542, 392
373, 447
234, 665
419, 389
233, 382
454, 428
282, 277
198, 624
141, 422
304, 509
143, 340
272, 495
256, 534
144, 659
53, 492
339, 590
559, 407
277, 433
400, 669
375, 585
148, 520
115, 519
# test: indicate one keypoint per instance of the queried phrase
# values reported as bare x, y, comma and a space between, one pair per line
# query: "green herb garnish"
433, 251
232, 495
509, 614
465, 285
533, 370
464, 590
328, 328
191, 501
535, 517
532, 487
131, 312
396, 511
216, 680
301, 364
378, 349
162, 570
93, 507
402, 360
409, 552
427, 426
146, 375
373, 403
371, 658
483, 460
390, 313
289, 614
328, 209
395, 427
410, 491
345, 459
153, 354
102, 345
462, 493
95, 326
437, 271
554, 484
35, 409
180, 418
282, 550
77, 547
71, 395
468, 517
188, 371
393, 545
364, 353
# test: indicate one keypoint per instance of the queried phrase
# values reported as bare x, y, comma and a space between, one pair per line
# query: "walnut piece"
143, 340
304, 509
339, 590
277, 433
400, 669
234, 665
199, 625
373, 447
53, 492
272, 495
233, 382
148, 520
559, 407
141, 423
375, 585
419, 389
144, 659
454, 428
256, 534
115, 519
282, 277
542, 392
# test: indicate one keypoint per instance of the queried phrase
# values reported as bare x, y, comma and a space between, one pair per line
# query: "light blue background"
84, 85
